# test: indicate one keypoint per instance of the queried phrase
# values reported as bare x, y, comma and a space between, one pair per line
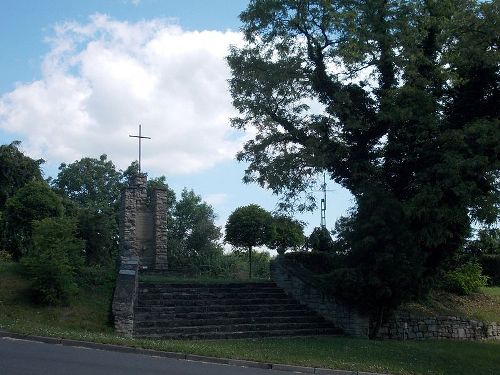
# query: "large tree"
247, 227
34, 201
398, 101
94, 186
193, 238
16, 169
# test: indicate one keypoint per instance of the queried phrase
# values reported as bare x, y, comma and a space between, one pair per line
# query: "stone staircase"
222, 311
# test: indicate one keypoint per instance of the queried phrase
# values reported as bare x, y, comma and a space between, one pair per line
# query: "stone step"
211, 302
210, 286
233, 327
217, 308
168, 314
210, 295
243, 334
179, 322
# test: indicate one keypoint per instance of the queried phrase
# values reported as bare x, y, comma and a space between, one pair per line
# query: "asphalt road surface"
21, 357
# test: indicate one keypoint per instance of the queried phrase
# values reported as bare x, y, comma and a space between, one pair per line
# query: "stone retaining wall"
125, 295
297, 282
408, 327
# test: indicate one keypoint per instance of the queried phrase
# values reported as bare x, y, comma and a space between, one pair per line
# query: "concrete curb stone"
181, 356
301, 369
325, 371
243, 363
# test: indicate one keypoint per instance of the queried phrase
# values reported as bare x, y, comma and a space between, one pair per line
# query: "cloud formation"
103, 78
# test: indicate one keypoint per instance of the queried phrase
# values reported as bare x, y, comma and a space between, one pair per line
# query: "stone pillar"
159, 206
132, 199
125, 295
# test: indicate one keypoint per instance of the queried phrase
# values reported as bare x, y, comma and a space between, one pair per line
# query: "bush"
54, 261
316, 261
491, 267
320, 240
465, 279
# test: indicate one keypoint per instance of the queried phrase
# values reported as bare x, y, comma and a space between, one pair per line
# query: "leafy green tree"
321, 240
398, 102
90, 182
94, 185
247, 227
193, 235
34, 201
287, 234
54, 261
16, 169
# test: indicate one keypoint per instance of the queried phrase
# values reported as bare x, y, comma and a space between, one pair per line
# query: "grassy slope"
86, 319
480, 306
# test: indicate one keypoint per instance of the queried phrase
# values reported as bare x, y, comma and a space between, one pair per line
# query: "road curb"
182, 356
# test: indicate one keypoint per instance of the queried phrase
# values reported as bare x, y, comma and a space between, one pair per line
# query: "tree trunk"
250, 262
378, 323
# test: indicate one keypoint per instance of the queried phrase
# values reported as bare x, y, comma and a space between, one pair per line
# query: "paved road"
20, 357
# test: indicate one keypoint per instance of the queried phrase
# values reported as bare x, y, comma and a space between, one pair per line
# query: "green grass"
86, 317
484, 306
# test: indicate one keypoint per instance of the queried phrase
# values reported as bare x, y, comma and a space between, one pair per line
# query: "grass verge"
85, 319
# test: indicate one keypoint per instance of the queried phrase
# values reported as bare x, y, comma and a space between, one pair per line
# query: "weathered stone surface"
342, 316
143, 244
401, 327
125, 295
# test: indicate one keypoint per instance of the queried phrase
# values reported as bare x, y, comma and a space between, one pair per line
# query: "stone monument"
143, 225
143, 246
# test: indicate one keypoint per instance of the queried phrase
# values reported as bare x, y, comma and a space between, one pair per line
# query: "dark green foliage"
320, 240
93, 187
465, 279
247, 227
54, 260
34, 201
193, 236
90, 182
399, 103
99, 230
486, 242
490, 263
318, 262
16, 169
287, 234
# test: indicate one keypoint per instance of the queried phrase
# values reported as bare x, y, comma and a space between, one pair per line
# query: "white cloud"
103, 78
216, 199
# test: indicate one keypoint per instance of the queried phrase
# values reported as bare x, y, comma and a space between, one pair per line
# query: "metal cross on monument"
141, 137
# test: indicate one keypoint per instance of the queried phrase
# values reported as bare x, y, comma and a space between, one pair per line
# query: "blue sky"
77, 77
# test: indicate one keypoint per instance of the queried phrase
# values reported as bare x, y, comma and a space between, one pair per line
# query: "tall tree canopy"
94, 186
34, 201
398, 101
16, 169
249, 226
90, 182
193, 238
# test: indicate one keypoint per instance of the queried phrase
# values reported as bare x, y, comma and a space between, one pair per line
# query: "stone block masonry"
143, 225
408, 327
143, 245
296, 282
125, 295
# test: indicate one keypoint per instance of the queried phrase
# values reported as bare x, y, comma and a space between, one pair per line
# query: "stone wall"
125, 295
408, 327
297, 282
143, 226
294, 281
159, 205
143, 245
